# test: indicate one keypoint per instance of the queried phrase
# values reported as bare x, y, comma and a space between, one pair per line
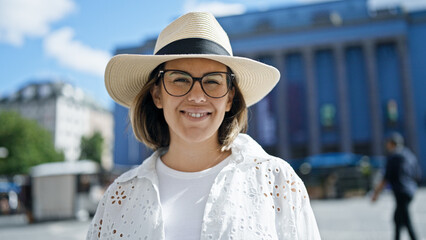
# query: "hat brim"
126, 74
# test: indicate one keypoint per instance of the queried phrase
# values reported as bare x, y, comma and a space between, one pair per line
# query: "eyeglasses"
179, 83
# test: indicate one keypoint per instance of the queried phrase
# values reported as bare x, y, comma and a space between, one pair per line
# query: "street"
343, 219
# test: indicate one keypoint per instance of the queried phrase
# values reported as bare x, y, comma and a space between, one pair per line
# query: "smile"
196, 115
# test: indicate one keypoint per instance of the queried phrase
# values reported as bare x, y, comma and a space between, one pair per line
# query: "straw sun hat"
194, 35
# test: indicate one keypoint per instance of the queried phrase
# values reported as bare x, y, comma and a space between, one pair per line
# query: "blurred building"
350, 75
67, 112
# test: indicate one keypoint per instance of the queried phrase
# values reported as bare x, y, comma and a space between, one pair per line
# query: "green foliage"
27, 142
91, 147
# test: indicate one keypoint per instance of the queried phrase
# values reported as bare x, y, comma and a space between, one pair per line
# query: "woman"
206, 180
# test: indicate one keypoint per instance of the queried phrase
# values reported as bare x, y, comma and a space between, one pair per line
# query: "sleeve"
95, 227
294, 207
307, 227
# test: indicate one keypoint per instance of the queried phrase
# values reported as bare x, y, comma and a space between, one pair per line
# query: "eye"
211, 82
181, 80
213, 79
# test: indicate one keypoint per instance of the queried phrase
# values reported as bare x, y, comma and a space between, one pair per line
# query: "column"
312, 102
376, 116
410, 125
283, 143
342, 96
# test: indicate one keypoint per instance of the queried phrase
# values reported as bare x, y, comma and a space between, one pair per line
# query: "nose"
197, 94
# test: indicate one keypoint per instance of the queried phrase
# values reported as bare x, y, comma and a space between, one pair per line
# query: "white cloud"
219, 9
30, 18
73, 54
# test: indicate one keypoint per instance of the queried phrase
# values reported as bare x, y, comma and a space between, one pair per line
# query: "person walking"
206, 178
402, 173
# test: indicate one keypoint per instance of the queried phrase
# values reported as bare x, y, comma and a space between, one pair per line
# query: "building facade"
65, 111
350, 75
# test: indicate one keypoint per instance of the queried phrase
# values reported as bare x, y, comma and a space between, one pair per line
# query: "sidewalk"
358, 218
343, 219
63, 230
14, 220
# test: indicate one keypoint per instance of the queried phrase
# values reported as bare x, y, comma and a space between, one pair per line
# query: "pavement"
343, 219
358, 218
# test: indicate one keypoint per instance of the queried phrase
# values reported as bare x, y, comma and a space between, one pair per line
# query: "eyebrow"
207, 73
177, 71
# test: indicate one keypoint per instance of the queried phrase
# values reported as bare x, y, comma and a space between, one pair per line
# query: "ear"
231, 95
156, 96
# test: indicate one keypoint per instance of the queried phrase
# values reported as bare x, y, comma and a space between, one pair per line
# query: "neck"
194, 157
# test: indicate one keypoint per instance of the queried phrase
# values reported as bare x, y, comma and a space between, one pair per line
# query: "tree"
91, 147
28, 144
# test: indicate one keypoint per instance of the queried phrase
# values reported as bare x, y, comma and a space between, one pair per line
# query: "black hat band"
193, 46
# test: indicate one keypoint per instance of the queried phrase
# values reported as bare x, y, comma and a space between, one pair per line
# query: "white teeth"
196, 115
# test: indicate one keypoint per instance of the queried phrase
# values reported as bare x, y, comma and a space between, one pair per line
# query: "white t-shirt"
183, 197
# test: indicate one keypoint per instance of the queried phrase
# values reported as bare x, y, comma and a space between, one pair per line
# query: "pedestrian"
206, 178
402, 173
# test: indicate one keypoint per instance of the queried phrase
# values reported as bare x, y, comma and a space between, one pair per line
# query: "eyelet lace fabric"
256, 196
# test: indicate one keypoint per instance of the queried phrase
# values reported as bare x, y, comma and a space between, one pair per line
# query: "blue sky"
72, 40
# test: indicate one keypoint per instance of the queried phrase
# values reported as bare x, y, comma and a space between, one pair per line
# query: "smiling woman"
206, 179
194, 116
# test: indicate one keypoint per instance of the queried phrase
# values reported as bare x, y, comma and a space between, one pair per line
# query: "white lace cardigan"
256, 196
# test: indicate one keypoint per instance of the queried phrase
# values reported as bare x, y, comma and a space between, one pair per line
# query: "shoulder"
128, 175
280, 171
271, 165
128, 181
255, 157
409, 154
146, 169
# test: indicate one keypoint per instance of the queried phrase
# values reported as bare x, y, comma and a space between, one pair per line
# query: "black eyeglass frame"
230, 77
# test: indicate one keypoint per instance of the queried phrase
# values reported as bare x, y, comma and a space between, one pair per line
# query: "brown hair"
150, 127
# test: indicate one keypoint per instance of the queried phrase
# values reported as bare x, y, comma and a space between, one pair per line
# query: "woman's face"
195, 117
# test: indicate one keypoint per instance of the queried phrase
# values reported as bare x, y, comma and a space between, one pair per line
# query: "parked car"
337, 175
